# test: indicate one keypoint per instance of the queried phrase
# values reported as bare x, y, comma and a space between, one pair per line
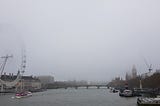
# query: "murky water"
70, 97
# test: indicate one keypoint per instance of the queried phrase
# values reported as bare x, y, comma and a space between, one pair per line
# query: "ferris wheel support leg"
2, 89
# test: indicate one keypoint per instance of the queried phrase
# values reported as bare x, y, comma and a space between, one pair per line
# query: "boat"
113, 90
145, 101
23, 94
126, 93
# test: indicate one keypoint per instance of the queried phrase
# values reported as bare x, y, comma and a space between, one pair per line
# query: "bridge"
86, 86
65, 86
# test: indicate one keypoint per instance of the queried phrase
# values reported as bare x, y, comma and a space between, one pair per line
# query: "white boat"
148, 101
126, 93
23, 94
113, 90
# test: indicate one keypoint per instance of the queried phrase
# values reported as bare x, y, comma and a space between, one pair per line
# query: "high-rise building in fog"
128, 76
134, 72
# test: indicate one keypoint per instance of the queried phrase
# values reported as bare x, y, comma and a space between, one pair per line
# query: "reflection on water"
70, 97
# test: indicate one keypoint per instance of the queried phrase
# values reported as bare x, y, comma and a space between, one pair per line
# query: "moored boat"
148, 101
126, 93
113, 90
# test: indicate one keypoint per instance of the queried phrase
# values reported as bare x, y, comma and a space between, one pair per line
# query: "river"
70, 97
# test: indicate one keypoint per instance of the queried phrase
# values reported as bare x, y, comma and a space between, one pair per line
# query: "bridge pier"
98, 87
86, 87
76, 87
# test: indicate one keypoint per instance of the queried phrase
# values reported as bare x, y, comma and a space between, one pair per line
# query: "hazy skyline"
81, 40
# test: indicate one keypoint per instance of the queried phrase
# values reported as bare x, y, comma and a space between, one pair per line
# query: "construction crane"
149, 66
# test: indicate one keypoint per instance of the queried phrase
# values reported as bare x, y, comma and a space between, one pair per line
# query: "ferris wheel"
11, 84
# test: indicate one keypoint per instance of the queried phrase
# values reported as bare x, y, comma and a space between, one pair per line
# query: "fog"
93, 40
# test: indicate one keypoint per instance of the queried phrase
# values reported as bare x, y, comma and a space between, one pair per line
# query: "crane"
149, 66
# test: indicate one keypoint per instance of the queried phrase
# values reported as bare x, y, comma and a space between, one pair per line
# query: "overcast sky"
80, 39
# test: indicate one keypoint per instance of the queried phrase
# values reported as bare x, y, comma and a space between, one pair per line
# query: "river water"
70, 97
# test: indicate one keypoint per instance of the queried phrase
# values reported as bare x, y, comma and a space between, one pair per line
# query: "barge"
141, 101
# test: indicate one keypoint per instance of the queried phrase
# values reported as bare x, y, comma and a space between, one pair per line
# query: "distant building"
148, 74
31, 83
128, 76
46, 79
134, 72
117, 79
25, 83
157, 70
